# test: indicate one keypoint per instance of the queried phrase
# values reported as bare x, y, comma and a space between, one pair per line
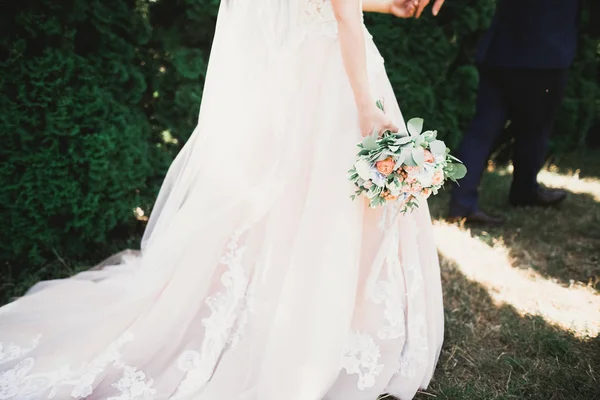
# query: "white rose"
425, 178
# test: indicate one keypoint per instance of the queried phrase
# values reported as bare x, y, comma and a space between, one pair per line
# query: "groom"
523, 61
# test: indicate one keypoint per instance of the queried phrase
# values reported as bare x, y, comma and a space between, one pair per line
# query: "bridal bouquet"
403, 168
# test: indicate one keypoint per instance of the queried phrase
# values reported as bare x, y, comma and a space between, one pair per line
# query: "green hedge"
76, 142
98, 96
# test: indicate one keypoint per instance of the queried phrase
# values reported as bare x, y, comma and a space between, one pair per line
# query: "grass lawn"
522, 302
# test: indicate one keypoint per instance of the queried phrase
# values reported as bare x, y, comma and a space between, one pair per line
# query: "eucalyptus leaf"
415, 126
370, 143
437, 147
430, 136
418, 155
459, 171
403, 140
410, 162
419, 141
401, 159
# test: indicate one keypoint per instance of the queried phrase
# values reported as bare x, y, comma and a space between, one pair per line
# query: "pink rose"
385, 167
410, 179
438, 177
416, 189
429, 157
412, 170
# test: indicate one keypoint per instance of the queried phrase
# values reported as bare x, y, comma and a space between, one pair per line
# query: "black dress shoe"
541, 198
479, 218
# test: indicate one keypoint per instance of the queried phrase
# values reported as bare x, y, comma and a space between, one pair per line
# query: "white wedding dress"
259, 278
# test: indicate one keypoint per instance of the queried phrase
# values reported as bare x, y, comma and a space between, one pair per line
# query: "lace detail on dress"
318, 11
318, 17
133, 386
11, 351
112, 354
225, 308
416, 349
414, 355
247, 307
19, 383
362, 358
386, 292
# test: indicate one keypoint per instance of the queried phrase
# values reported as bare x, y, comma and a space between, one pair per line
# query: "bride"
259, 278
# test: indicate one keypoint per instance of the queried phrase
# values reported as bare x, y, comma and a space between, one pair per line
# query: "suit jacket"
532, 34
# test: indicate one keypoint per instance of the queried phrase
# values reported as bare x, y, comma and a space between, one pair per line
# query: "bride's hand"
373, 119
403, 8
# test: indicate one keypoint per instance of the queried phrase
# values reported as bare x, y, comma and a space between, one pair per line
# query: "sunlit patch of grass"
574, 308
521, 301
572, 182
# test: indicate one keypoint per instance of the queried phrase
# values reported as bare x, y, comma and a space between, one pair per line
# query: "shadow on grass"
560, 243
492, 352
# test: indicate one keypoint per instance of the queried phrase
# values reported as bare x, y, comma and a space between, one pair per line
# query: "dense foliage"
98, 96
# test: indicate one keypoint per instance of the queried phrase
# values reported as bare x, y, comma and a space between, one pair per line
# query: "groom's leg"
474, 150
536, 96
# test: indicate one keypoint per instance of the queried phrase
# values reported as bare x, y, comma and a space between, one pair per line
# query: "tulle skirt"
259, 279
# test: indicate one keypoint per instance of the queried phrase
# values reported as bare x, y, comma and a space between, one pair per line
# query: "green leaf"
430, 136
404, 154
415, 126
459, 171
420, 141
370, 143
455, 171
437, 147
403, 140
379, 105
410, 162
418, 155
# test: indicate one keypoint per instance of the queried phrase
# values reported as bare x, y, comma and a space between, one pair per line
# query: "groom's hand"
423, 3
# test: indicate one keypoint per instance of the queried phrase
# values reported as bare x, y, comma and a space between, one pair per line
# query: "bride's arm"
352, 43
351, 37
379, 6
